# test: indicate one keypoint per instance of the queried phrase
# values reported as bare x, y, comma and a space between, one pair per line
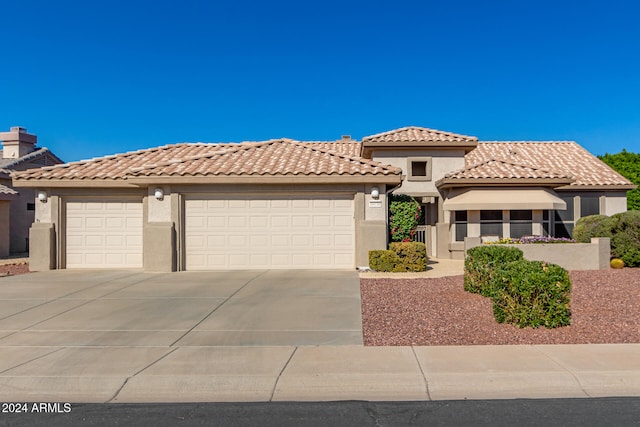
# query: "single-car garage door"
104, 234
269, 232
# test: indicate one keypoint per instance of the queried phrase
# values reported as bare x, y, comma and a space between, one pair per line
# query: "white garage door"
255, 233
104, 234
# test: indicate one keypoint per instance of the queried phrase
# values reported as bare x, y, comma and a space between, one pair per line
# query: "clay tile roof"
6, 190
504, 171
414, 134
271, 158
348, 147
115, 167
7, 193
556, 157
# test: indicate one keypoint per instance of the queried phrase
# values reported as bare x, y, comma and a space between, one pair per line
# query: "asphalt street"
520, 412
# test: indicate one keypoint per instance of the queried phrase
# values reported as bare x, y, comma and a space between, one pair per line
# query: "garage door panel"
300, 221
94, 241
269, 233
279, 221
216, 221
104, 234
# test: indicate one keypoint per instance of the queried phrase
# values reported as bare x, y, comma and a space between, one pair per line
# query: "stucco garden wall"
572, 256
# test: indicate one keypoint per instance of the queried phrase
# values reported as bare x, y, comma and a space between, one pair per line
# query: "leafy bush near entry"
412, 256
383, 260
588, 227
532, 293
400, 257
404, 214
481, 263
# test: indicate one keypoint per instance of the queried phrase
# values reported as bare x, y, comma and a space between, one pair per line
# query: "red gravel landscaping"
605, 308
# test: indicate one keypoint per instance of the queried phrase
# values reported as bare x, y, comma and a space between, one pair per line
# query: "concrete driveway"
131, 308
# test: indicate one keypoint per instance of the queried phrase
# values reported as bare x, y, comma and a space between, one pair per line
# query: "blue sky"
92, 78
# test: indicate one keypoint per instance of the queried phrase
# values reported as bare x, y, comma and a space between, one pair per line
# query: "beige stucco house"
17, 208
318, 205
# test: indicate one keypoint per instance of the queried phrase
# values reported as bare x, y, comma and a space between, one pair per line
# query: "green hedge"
480, 265
532, 293
401, 257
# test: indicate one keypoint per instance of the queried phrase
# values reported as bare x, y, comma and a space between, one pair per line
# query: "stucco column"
42, 247
159, 234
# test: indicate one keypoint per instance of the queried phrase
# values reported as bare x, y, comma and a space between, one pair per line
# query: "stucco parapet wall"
571, 256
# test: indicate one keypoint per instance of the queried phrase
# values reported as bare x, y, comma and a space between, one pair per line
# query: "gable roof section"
556, 157
277, 159
270, 160
501, 172
416, 137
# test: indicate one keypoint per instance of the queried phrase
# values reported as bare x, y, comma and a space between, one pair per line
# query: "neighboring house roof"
7, 193
45, 153
500, 172
269, 159
552, 156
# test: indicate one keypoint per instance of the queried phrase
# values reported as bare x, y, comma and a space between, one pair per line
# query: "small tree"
404, 214
626, 164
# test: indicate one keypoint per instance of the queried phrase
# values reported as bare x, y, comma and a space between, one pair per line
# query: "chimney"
17, 143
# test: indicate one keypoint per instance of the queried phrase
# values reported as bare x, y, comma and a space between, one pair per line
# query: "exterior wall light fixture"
375, 193
159, 193
43, 196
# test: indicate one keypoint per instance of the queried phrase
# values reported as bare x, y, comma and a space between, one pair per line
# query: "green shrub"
383, 260
412, 256
400, 257
587, 227
622, 228
404, 214
625, 240
532, 293
481, 263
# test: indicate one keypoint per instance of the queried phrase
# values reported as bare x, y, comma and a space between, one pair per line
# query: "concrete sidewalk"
316, 373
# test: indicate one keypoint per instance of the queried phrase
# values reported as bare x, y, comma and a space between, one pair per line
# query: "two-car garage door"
220, 233
269, 232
